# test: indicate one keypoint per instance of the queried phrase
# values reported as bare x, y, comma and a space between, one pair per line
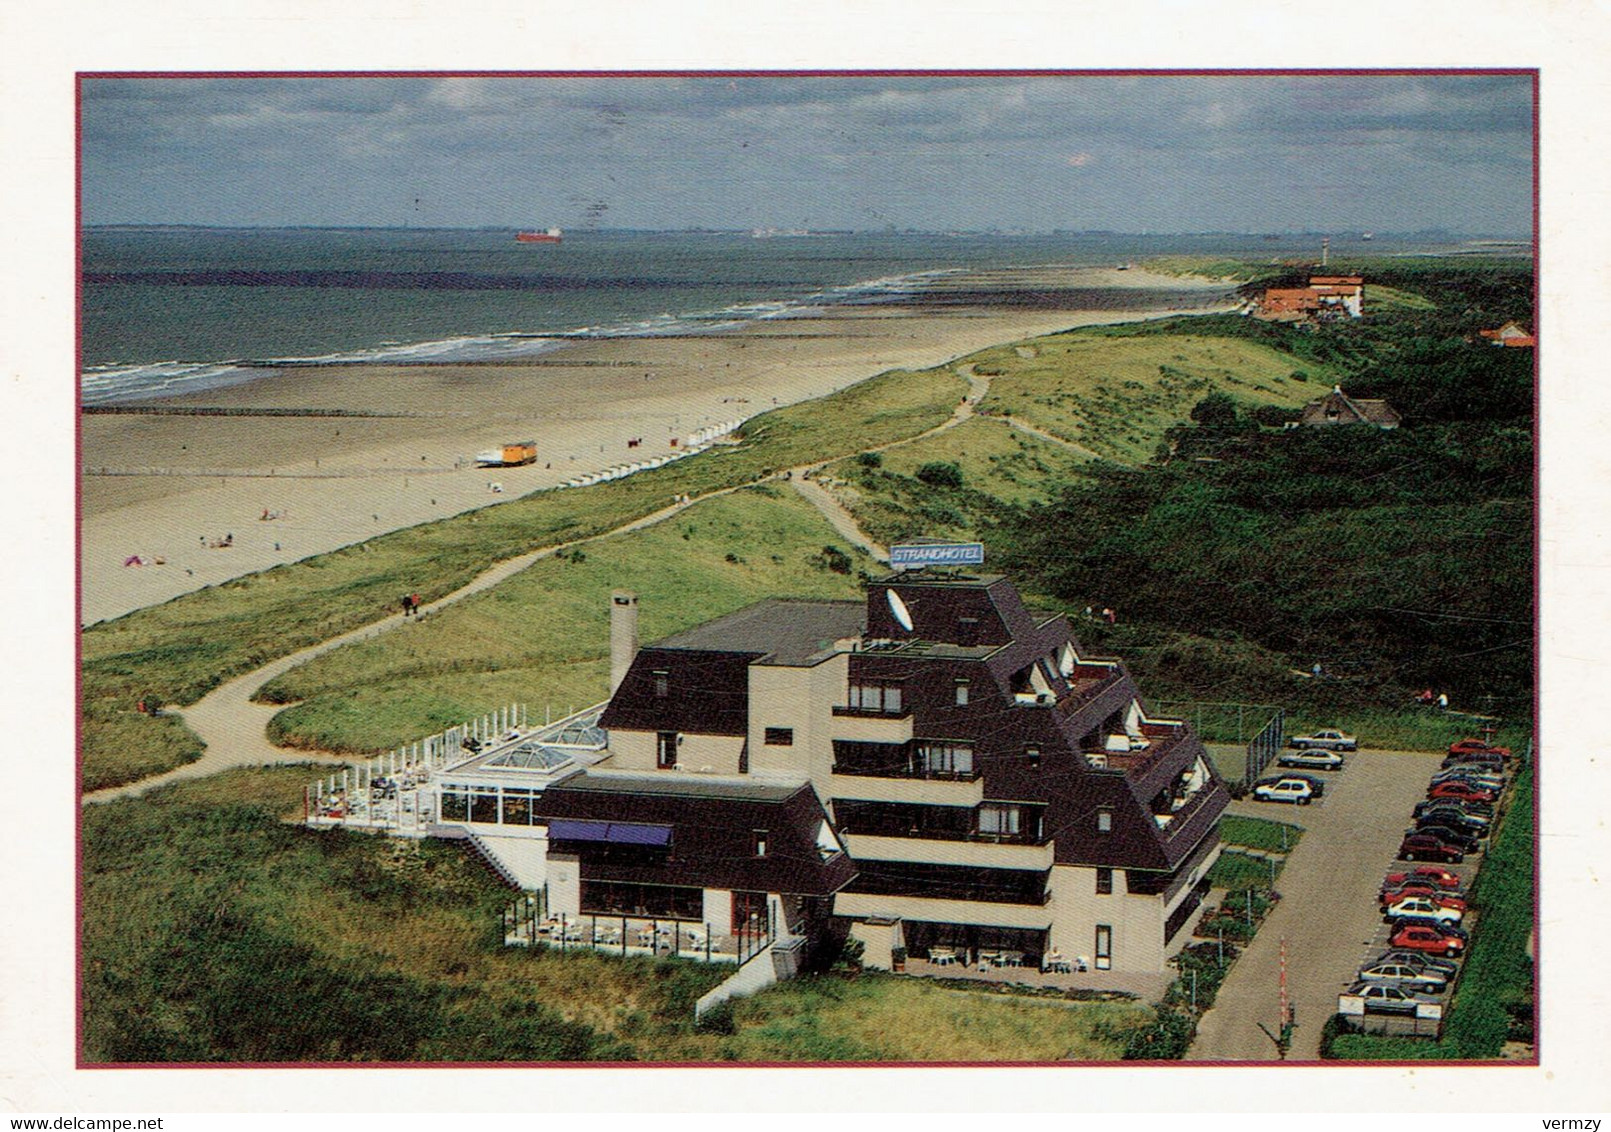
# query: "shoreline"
311, 459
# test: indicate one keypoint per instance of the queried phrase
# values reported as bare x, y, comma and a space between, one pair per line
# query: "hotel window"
662, 683
1104, 821
1104, 882
516, 806
1033, 755
962, 693
779, 737
484, 804
945, 758
876, 697
760, 842
455, 803
1000, 817
666, 749
1104, 947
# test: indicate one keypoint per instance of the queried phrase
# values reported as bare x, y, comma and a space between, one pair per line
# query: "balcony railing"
872, 713
897, 771
877, 829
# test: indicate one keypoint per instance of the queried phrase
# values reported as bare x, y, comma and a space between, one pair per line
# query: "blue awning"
619, 833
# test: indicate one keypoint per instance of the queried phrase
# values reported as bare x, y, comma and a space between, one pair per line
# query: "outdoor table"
942, 956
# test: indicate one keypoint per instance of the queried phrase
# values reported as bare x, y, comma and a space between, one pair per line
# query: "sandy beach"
312, 459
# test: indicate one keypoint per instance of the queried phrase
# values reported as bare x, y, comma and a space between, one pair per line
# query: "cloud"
920, 150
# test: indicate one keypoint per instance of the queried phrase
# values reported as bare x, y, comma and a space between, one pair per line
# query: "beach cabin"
512, 454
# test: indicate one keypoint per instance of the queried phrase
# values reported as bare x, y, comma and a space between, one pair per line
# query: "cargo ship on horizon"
547, 236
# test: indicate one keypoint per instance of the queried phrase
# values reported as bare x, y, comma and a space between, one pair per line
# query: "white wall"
718, 909
1137, 921
801, 699
524, 857
564, 885
639, 750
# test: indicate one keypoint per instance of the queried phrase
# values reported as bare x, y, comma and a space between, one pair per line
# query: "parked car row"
1318, 751
1424, 906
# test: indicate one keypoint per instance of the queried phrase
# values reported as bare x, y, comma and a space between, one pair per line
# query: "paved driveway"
1328, 913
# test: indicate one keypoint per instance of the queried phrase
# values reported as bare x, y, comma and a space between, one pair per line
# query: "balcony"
866, 725
943, 911
917, 788
936, 847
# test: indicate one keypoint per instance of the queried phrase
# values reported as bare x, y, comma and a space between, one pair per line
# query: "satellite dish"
898, 608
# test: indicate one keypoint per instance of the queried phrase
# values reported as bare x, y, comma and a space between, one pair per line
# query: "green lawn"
542, 637
1259, 833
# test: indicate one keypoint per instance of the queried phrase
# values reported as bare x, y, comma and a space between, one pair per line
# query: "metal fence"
1261, 726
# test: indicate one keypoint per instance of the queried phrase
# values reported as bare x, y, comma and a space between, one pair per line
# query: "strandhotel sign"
937, 554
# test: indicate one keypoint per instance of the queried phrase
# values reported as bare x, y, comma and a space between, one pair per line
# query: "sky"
1145, 153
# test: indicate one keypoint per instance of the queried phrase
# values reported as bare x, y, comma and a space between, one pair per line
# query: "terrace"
398, 791
526, 923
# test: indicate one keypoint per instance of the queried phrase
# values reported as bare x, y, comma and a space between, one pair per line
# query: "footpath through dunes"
233, 727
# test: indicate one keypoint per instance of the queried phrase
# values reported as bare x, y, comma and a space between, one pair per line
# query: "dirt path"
1049, 437
234, 729
839, 515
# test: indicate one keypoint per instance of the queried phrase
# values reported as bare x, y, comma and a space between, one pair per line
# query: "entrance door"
1104, 947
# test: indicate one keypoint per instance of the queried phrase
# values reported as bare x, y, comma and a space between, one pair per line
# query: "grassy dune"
542, 637
999, 465
892, 1018
176, 652
1118, 395
213, 931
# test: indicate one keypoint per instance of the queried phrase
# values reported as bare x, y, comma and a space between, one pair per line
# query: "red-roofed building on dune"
1327, 298
1511, 334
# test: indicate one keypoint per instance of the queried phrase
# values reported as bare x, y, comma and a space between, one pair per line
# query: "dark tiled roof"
784, 631
707, 693
713, 834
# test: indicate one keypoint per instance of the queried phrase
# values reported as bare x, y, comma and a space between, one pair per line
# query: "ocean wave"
118, 382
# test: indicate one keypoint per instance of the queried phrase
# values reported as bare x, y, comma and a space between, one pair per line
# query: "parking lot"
1328, 913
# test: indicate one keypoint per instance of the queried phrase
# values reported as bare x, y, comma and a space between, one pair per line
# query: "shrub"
718, 1019
870, 460
1165, 1038
940, 473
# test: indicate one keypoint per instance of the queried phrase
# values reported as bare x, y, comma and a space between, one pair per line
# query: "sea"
170, 310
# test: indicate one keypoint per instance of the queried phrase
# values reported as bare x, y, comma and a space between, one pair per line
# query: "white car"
1294, 790
1327, 739
1420, 908
1307, 759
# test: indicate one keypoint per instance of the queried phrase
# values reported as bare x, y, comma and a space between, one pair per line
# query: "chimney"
623, 635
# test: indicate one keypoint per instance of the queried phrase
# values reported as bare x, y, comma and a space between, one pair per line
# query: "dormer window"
662, 683
967, 630
1104, 820
962, 693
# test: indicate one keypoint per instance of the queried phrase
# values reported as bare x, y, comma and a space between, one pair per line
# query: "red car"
1423, 874
1427, 937
1454, 788
1438, 896
1425, 847
1477, 745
